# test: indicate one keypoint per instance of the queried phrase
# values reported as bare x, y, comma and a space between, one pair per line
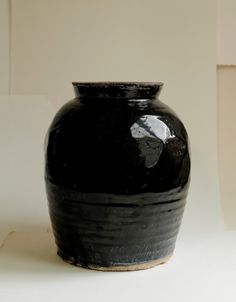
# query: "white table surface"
203, 268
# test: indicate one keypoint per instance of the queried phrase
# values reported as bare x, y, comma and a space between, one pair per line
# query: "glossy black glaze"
117, 175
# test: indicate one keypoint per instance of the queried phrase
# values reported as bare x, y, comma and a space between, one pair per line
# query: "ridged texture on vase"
107, 230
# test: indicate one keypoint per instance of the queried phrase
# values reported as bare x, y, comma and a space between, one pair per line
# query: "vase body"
117, 175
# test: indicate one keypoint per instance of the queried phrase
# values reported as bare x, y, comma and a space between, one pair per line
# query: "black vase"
117, 176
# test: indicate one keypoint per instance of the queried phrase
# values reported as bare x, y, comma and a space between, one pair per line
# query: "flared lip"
117, 89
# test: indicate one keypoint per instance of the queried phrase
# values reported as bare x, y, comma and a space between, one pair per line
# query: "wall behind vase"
56, 42
226, 72
227, 145
4, 47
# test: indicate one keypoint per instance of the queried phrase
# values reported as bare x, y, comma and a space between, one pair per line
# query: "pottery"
117, 176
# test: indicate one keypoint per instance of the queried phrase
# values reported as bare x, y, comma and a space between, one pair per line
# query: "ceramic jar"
117, 175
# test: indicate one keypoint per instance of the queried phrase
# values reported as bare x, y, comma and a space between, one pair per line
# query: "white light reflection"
150, 126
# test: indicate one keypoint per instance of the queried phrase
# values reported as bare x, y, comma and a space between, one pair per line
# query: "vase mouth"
127, 90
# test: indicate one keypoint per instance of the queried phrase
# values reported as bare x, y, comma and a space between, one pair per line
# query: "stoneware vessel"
117, 175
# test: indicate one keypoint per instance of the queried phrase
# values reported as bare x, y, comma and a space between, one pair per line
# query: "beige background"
56, 42
23, 123
4, 46
227, 146
226, 74
226, 41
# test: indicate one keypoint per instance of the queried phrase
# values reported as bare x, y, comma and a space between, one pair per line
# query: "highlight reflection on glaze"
151, 133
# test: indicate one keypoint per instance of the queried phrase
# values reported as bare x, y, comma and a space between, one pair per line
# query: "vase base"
120, 268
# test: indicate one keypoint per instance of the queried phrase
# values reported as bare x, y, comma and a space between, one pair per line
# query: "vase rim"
117, 83
110, 89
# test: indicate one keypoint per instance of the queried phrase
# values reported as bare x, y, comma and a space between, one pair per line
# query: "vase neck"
123, 90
